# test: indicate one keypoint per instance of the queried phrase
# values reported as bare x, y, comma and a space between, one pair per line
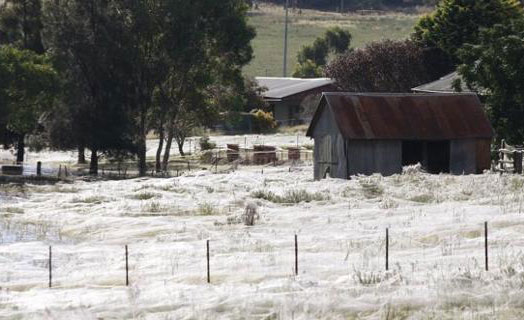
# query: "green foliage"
457, 22
338, 39
206, 144
386, 66
28, 90
307, 69
173, 58
496, 66
312, 58
263, 121
21, 24
317, 52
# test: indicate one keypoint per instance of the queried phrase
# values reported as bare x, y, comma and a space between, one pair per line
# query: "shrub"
144, 196
205, 144
263, 121
371, 188
290, 196
153, 206
423, 198
265, 195
206, 209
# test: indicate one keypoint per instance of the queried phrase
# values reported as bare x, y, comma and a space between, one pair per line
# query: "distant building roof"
281, 88
444, 85
365, 116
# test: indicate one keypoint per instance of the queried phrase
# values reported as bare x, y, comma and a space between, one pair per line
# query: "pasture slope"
307, 25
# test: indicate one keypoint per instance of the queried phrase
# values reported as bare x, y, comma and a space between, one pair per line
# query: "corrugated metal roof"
444, 85
363, 116
280, 88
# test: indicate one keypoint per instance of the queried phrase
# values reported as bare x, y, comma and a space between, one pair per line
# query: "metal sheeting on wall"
463, 157
374, 156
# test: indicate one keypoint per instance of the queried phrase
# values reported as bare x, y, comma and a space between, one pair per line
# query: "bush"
263, 121
290, 196
206, 209
371, 188
205, 144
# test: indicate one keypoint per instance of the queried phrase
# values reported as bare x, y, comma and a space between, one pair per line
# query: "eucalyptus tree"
28, 90
21, 27
82, 37
209, 43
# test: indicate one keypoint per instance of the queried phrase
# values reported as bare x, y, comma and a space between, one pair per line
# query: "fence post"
486, 244
127, 267
208, 271
296, 255
517, 161
501, 154
50, 268
387, 249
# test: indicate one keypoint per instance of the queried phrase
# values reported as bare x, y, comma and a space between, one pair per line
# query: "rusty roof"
364, 116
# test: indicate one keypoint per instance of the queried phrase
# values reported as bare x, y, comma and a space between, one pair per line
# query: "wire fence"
53, 266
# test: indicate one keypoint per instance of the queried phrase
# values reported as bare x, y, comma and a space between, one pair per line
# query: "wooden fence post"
207, 254
486, 244
127, 267
517, 161
50, 268
296, 255
387, 249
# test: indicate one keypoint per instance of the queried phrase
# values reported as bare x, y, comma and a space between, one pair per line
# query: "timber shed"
366, 133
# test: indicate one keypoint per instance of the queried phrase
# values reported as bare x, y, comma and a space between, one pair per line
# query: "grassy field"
304, 27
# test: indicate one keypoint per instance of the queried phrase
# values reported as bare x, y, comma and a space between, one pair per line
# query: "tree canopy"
496, 67
385, 66
28, 90
455, 23
313, 58
152, 61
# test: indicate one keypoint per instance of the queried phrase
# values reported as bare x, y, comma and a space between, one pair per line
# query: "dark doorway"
438, 157
412, 152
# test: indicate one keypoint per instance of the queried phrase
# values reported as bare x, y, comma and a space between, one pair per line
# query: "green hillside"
304, 27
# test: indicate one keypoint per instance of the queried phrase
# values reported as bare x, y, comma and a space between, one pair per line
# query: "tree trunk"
161, 136
93, 166
142, 165
169, 142
180, 142
20, 151
82, 154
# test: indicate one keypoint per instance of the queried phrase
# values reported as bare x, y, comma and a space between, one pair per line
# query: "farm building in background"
451, 83
379, 133
285, 96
